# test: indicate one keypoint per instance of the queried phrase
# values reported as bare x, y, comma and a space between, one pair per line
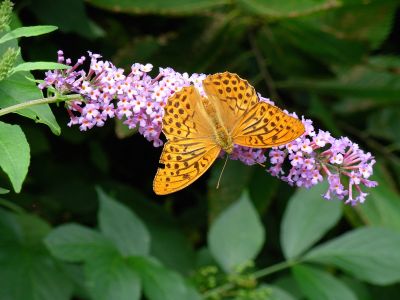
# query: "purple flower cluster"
106, 92
314, 156
137, 98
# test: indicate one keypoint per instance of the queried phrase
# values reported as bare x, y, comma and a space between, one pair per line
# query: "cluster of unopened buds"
105, 92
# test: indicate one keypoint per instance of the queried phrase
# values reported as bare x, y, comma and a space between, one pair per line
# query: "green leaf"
237, 235
262, 188
160, 283
278, 294
123, 227
38, 65
360, 289
171, 246
26, 32
111, 277
14, 154
321, 46
19, 88
387, 118
307, 218
289, 284
75, 243
3, 191
122, 130
366, 85
370, 254
173, 7
27, 270
230, 187
288, 8
383, 205
319, 285
368, 21
78, 22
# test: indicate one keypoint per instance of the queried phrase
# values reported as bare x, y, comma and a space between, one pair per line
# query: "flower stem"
260, 273
23, 105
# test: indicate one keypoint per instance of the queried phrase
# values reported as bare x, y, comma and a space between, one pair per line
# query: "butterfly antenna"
222, 171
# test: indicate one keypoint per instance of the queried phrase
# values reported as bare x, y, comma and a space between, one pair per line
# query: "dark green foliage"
336, 62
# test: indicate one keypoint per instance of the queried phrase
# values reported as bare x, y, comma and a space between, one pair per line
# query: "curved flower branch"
139, 100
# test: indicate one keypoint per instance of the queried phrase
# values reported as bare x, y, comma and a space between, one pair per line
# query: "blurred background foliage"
334, 61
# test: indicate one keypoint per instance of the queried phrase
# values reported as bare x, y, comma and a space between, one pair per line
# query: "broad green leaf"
123, 227
168, 242
29, 275
14, 154
370, 254
290, 285
18, 88
75, 243
262, 189
278, 294
173, 7
319, 285
160, 283
237, 235
308, 39
360, 289
288, 8
111, 277
170, 246
355, 22
230, 188
382, 207
307, 218
26, 32
38, 65
27, 270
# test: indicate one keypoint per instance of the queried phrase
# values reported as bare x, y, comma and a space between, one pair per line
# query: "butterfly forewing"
190, 149
182, 118
265, 125
250, 122
231, 95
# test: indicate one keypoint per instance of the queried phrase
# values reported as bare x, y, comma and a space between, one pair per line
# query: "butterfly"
198, 128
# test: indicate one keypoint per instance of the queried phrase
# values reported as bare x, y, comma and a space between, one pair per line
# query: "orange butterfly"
198, 128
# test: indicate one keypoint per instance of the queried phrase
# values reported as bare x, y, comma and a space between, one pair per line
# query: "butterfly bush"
105, 92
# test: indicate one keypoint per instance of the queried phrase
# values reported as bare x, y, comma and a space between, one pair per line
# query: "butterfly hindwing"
184, 161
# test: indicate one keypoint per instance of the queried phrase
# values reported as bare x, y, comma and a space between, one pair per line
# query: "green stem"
260, 273
11, 206
275, 268
54, 99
